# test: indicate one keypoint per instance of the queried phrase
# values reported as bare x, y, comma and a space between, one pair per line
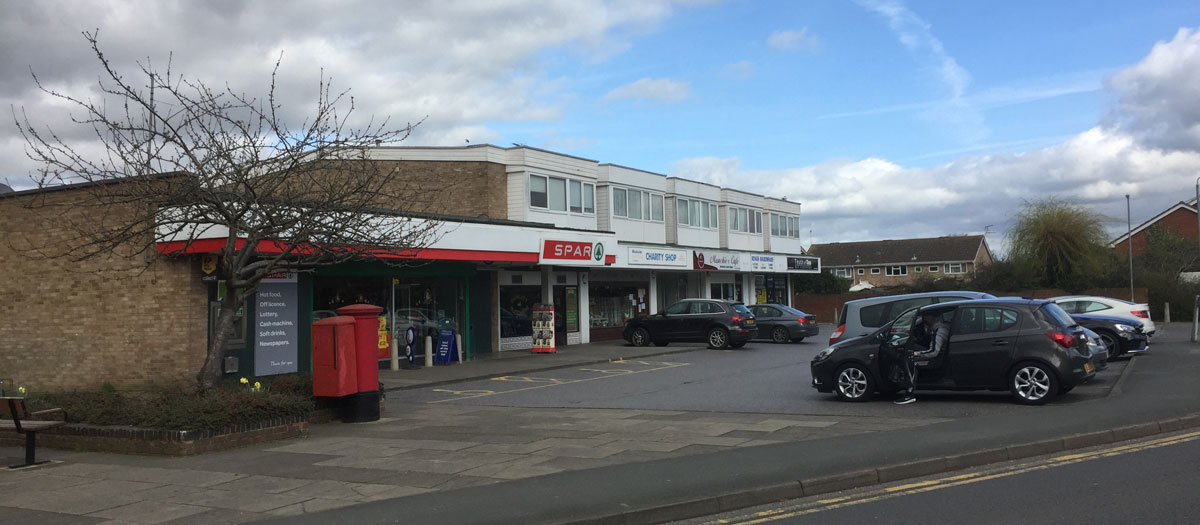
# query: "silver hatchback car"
862, 316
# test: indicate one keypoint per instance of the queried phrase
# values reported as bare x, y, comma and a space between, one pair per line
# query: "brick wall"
1181, 222
74, 325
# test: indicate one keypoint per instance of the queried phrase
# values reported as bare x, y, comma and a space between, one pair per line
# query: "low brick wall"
131, 440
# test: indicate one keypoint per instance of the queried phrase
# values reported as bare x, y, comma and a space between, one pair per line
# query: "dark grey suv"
1029, 347
721, 324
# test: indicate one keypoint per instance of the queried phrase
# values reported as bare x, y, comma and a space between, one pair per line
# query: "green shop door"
480, 312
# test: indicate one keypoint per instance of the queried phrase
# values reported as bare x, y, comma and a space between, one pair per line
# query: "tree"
181, 161
1061, 242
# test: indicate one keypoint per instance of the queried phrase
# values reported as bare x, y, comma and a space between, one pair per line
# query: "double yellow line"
950, 481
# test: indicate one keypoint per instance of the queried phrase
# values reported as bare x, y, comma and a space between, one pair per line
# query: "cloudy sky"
886, 119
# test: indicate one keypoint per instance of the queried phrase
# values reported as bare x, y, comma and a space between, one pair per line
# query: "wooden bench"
21, 420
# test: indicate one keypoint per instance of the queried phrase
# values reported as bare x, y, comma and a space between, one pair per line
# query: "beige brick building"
902, 261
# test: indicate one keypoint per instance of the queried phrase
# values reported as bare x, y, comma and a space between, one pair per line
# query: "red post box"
364, 404
335, 368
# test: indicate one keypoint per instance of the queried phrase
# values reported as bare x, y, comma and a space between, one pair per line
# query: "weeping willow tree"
1060, 242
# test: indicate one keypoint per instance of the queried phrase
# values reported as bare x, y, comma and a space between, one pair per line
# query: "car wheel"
780, 335
718, 338
1110, 343
737, 345
854, 383
639, 337
1032, 383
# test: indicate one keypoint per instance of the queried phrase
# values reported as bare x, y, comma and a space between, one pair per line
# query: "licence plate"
749, 321
1087, 367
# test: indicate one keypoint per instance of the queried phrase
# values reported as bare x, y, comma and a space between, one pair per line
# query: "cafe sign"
714, 260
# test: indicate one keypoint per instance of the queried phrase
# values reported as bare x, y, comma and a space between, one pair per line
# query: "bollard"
458, 344
395, 355
429, 351
1196, 321
1166, 314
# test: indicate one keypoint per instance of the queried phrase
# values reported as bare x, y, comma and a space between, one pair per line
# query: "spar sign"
575, 253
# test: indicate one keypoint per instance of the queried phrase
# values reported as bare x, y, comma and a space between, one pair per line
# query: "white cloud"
794, 40
461, 64
846, 200
650, 89
553, 140
741, 70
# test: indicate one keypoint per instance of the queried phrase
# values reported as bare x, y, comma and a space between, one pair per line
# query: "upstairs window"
576, 202
537, 191
656, 207
559, 194
589, 198
640, 205
620, 207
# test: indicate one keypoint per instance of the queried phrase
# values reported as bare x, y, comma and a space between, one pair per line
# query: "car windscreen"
741, 309
1060, 317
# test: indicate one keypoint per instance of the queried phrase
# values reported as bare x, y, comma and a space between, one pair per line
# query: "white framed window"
874, 271
917, 269
933, 268
656, 207
756, 226
711, 223
954, 268
537, 191
557, 194
695, 213
589, 198
635, 204
842, 272
575, 202
861, 271
681, 211
620, 207
897, 270
774, 225
794, 230
785, 226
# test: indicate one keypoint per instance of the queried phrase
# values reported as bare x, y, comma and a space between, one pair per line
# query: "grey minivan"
862, 316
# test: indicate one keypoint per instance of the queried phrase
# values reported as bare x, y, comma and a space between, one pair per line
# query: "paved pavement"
453, 463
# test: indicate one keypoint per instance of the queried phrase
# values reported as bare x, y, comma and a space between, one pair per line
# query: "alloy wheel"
640, 337
717, 338
852, 382
1032, 383
780, 335
1110, 344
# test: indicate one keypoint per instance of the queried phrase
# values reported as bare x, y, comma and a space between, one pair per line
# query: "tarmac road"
763, 378
1146, 481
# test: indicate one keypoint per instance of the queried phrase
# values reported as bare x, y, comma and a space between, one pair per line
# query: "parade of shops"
601, 243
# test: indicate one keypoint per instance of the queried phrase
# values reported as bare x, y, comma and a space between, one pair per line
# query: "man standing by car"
931, 335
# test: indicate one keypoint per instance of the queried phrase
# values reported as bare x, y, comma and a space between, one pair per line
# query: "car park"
1120, 336
1092, 304
721, 324
781, 323
1026, 346
862, 316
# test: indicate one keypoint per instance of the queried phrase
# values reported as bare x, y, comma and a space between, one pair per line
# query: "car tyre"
718, 338
798, 340
640, 337
1110, 343
853, 383
1032, 383
737, 345
661, 343
780, 335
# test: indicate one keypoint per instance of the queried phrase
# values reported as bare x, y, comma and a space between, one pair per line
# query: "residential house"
897, 262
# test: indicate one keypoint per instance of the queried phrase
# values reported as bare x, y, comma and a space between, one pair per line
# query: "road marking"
520, 379
951, 481
605, 371
471, 394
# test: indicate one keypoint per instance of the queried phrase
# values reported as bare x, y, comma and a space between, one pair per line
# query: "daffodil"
257, 385
21, 390
245, 381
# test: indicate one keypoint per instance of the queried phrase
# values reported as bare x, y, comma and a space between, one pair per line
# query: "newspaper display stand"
543, 329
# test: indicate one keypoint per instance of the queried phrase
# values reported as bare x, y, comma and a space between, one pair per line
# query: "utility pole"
1129, 241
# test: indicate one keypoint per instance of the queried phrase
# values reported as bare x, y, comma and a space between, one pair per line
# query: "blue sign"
447, 347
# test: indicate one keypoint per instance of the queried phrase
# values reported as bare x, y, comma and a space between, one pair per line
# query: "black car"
781, 323
1119, 335
721, 324
1030, 347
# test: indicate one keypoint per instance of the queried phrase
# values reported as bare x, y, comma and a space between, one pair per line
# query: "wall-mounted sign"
766, 263
658, 257
276, 334
714, 260
804, 264
574, 253
208, 263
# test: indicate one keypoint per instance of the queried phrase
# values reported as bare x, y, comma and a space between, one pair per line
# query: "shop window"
558, 194
589, 198
656, 207
726, 291
576, 202
611, 304
516, 310
537, 191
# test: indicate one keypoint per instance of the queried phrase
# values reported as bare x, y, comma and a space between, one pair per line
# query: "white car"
1090, 304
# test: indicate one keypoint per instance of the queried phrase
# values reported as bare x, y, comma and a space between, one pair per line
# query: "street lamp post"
1129, 241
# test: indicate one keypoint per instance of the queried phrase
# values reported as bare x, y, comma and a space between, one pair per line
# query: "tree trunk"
210, 373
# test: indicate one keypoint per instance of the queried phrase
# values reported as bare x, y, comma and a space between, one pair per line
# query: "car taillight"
1064, 340
801, 320
837, 334
1142, 314
738, 318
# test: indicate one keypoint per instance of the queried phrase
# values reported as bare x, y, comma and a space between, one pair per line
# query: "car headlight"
1125, 328
824, 354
